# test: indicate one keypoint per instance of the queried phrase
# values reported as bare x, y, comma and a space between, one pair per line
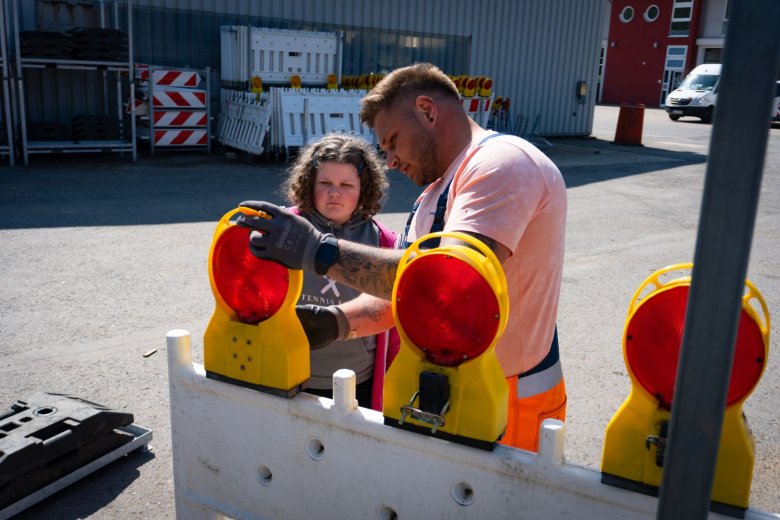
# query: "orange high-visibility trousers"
526, 414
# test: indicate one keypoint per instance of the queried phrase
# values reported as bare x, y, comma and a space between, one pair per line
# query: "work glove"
283, 237
322, 325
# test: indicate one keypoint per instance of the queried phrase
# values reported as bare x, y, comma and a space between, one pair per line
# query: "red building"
652, 44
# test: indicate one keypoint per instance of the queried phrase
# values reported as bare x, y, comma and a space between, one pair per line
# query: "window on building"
651, 13
627, 14
675, 57
681, 18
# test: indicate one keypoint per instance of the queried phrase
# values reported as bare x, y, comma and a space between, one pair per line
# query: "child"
337, 183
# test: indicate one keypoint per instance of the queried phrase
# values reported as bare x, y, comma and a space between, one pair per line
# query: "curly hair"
339, 148
412, 80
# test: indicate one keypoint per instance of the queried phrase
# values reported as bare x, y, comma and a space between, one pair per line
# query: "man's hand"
282, 237
322, 325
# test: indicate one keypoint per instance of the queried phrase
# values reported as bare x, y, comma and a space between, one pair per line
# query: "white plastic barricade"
243, 454
244, 120
277, 54
234, 49
478, 108
303, 115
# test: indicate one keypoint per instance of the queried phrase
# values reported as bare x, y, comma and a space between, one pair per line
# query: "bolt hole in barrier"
388, 513
629, 125
462, 493
315, 449
264, 475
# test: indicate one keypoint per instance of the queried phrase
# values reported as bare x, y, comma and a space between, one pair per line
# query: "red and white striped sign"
180, 137
180, 118
168, 77
180, 98
175, 78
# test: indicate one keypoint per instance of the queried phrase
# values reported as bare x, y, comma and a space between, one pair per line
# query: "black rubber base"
647, 489
467, 441
260, 388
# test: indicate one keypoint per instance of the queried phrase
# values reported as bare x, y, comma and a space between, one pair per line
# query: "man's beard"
425, 155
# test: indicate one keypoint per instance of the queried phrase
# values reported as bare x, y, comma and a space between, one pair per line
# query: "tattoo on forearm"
373, 311
367, 269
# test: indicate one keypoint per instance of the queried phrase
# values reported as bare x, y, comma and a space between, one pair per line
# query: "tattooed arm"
368, 315
368, 269
372, 271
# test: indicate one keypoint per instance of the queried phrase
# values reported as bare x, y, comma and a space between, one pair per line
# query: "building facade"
541, 54
652, 44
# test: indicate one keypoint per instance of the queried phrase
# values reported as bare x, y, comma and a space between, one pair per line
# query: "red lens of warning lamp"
450, 322
653, 339
255, 289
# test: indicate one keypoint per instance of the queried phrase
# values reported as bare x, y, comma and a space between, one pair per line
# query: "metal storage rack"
109, 70
7, 144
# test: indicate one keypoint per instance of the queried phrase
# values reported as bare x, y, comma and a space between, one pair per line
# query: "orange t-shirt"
510, 191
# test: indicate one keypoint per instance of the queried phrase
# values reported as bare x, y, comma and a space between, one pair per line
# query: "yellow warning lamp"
257, 85
636, 435
254, 338
470, 87
485, 87
460, 82
333, 83
450, 308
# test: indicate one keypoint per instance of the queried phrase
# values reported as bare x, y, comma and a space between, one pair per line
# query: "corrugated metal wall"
535, 50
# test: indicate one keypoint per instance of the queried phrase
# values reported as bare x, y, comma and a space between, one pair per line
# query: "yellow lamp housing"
254, 338
450, 308
636, 435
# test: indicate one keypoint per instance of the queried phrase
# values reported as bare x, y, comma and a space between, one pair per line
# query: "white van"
696, 95
776, 105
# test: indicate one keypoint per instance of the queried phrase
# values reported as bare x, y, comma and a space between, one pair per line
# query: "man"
498, 188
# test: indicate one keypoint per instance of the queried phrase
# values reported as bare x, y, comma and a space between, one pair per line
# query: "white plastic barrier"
275, 55
243, 454
244, 120
234, 49
302, 115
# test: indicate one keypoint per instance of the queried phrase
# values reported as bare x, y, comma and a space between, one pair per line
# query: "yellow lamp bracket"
450, 307
636, 436
254, 338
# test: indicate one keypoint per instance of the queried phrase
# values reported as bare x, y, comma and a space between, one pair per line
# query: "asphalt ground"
100, 257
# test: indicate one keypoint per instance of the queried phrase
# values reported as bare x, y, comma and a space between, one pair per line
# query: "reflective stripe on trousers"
544, 375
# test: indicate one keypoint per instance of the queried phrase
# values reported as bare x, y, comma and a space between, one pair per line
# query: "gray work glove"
284, 238
322, 325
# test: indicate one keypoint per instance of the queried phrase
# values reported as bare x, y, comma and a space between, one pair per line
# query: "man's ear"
427, 107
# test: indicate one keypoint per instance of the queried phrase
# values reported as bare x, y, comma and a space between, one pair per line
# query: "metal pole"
728, 212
